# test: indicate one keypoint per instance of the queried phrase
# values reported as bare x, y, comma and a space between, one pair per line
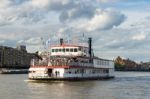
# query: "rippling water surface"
126, 85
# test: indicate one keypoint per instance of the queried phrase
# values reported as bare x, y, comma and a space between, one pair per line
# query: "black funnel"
61, 41
90, 46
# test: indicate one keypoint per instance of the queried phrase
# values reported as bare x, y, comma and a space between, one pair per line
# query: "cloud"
40, 3
106, 1
7, 36
147, 17
104, 20
4, 3
37, 12
139, 37
31, 41
2, 41
80, 11
55, 5
20, 13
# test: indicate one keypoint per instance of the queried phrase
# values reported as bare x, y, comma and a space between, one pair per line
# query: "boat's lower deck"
70, 73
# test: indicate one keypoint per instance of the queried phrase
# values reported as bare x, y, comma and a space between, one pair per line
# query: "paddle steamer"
70, 62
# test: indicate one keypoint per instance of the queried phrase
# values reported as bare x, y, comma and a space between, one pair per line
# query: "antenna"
69, 36
83, 37
43, 45
75, 39
48, 43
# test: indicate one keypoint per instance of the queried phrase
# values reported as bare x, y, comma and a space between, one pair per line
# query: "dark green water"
126, 85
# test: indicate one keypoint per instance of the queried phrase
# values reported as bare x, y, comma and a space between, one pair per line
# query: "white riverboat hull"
70, 73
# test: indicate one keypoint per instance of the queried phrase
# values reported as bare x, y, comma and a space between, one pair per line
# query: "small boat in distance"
70, 62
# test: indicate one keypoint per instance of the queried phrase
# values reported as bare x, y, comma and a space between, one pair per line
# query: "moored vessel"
70, 62
13, 71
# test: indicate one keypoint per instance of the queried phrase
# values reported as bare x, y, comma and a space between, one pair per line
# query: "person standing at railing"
65, 61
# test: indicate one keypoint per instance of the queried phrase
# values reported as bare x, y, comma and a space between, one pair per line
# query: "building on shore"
130, 65
15, 58
125, 64
144, 66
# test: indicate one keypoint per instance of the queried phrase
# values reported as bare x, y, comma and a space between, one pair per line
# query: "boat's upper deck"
71, 55
69, 50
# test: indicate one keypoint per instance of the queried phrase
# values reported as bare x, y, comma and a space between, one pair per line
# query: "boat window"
59, 50
79, 48
63, 50
52, 50
84, 50
56, 50
71, 50
75, 49
107, 71
67, 49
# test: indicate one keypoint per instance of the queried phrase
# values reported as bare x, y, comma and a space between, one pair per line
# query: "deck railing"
61, 63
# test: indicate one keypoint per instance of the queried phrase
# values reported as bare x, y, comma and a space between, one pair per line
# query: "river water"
126, 85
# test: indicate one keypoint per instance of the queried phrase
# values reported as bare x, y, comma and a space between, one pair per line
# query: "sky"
118, 27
